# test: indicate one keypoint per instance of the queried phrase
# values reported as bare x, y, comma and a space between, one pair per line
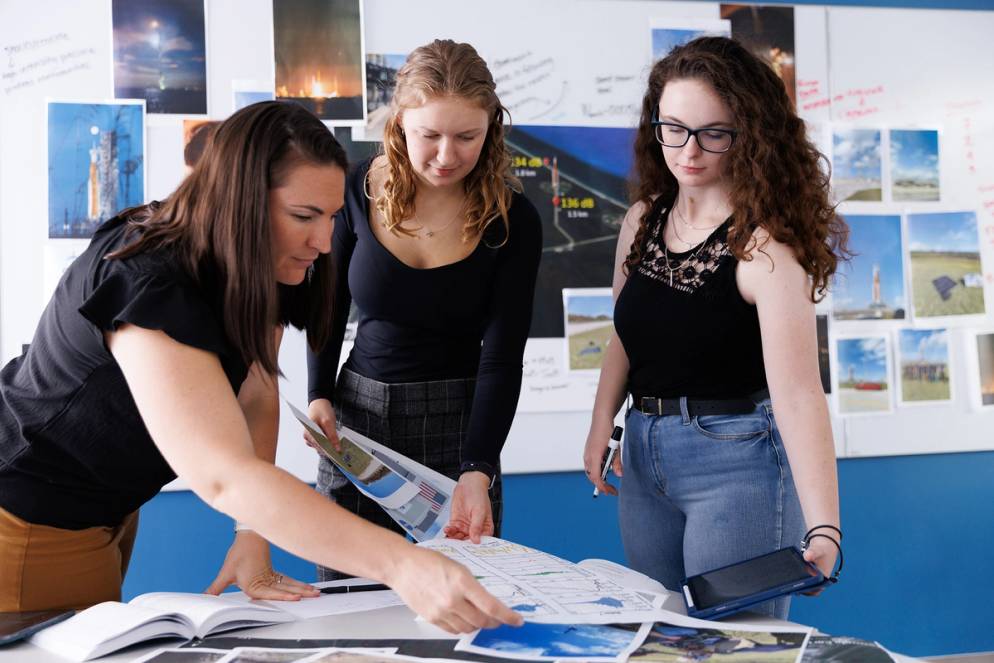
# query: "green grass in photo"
923, 390
867, 194
583, 348
926, 266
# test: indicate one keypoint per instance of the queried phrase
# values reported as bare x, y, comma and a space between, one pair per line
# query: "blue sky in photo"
876, 240
592, 305
943, 231
159, 36
392, 60
856, 153
931, 345
867, 356
71, 135
245, 98
914, 154
560, 640
665, 40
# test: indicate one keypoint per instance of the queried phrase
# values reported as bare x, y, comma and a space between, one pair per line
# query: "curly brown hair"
777, 182
440, 69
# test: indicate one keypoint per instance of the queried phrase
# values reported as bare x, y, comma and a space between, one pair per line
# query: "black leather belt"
700, 406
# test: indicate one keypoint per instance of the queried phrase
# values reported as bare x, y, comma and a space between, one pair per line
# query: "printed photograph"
381, 78
946, 272
871, 285
843, 649
556, 641
924, 365
863, 377
914, 164
856, 170
266, 655
575, 177
768, 32
676, 644
824, 361
589, 325
319, 60
160, 54
243, 98
352, 657
668, 34
196, 133
96, 164
985, 364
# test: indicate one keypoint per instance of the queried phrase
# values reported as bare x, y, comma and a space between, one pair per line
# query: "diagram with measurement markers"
545, 588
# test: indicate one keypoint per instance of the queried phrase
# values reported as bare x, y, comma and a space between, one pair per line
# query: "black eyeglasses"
671, 134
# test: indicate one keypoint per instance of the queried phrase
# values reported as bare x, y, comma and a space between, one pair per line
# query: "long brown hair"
445, 68
217, 222
777, 181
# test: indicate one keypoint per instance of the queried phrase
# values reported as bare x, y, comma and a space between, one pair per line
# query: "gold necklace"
685, 262
684, 221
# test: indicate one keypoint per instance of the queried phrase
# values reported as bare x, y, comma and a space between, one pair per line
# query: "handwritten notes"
33, 61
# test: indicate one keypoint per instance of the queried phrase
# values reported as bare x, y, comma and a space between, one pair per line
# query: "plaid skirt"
425, 421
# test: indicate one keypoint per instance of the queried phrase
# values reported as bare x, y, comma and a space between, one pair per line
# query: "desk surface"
394, 622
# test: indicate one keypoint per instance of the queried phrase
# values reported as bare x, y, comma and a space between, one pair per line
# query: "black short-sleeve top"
74, 451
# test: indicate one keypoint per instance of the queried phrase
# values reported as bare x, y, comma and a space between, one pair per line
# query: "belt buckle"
652, 405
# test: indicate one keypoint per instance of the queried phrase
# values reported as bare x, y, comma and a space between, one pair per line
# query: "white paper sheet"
331, 604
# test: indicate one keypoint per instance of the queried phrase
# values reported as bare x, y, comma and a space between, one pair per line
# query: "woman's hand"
594, 453
472, 515
323, 414
247, 565
822, 553
446, 593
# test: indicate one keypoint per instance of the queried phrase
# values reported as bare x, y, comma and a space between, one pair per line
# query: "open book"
107, 627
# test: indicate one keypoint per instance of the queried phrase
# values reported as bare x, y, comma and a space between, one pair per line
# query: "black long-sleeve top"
465, 319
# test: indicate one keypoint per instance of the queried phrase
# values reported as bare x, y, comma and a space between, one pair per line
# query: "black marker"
350, 589
612, 447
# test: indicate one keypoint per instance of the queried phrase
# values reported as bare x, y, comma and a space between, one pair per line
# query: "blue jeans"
702, 492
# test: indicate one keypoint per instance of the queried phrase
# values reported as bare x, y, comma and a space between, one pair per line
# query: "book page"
209, 613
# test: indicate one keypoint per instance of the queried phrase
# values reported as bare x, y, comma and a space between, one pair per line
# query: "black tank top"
683, 322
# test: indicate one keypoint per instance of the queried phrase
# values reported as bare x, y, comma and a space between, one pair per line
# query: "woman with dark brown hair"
157, 358
439, 251
730, 242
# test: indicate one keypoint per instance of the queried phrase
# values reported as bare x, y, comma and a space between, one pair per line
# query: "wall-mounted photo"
96, 163
381, 78
768, 32
871, 285
923, 366
589, 322
857, 173
914, 164
319, 57
668, 33
245, 92
985, 368
575, 177
946, 272
863, 378
160, 54
196, 134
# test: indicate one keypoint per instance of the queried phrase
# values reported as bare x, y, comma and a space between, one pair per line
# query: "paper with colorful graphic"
417, 498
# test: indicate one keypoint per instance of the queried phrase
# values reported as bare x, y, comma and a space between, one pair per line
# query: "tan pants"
47, 568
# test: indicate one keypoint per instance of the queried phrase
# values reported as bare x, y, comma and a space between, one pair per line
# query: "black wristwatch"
479, 466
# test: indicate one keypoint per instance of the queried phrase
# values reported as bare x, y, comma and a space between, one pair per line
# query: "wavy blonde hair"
441, 69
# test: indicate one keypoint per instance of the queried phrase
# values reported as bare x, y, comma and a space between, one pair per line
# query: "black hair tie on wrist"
811, 534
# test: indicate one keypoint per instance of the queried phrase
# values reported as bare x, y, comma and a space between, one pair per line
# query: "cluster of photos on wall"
916, 275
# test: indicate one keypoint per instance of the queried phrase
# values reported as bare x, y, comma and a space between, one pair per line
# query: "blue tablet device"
731, 588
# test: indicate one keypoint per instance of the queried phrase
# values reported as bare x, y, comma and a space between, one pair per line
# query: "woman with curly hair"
731, 239
439, 251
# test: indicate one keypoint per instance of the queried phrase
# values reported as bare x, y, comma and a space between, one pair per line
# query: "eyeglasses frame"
691, 133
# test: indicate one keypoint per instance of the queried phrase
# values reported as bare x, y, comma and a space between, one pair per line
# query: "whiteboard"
560, 63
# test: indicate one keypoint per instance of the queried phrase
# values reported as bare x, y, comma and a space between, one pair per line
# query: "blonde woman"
439, 252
